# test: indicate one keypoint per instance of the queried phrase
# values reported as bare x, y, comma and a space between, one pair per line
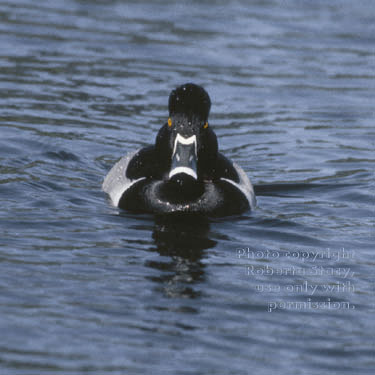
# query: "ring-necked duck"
183, 171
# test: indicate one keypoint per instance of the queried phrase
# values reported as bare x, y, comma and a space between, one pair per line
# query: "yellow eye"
205, 126
169, 122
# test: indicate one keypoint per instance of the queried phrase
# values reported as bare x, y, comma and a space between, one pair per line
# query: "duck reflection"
181, 241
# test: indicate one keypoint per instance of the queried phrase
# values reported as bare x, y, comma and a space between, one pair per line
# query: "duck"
183, 172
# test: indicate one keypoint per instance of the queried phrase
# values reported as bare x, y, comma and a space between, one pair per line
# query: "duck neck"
207, 155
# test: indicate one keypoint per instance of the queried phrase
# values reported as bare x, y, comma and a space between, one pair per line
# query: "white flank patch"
244, 185
116, 183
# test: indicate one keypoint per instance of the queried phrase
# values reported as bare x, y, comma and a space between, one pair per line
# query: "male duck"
183, 171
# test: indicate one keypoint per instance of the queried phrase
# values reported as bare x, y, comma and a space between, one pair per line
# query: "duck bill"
184, 156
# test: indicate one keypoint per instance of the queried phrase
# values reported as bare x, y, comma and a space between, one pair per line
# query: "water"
88, 288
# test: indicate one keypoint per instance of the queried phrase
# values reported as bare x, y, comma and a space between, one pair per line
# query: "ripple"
86, 287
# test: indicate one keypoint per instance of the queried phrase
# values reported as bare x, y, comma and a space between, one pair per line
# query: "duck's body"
183, 171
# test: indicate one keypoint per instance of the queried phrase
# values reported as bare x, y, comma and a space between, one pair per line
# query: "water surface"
88, 288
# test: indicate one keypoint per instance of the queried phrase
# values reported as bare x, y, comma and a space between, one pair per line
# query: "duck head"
186, 141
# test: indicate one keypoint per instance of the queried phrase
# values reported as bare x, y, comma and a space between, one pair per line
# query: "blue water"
86, 288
